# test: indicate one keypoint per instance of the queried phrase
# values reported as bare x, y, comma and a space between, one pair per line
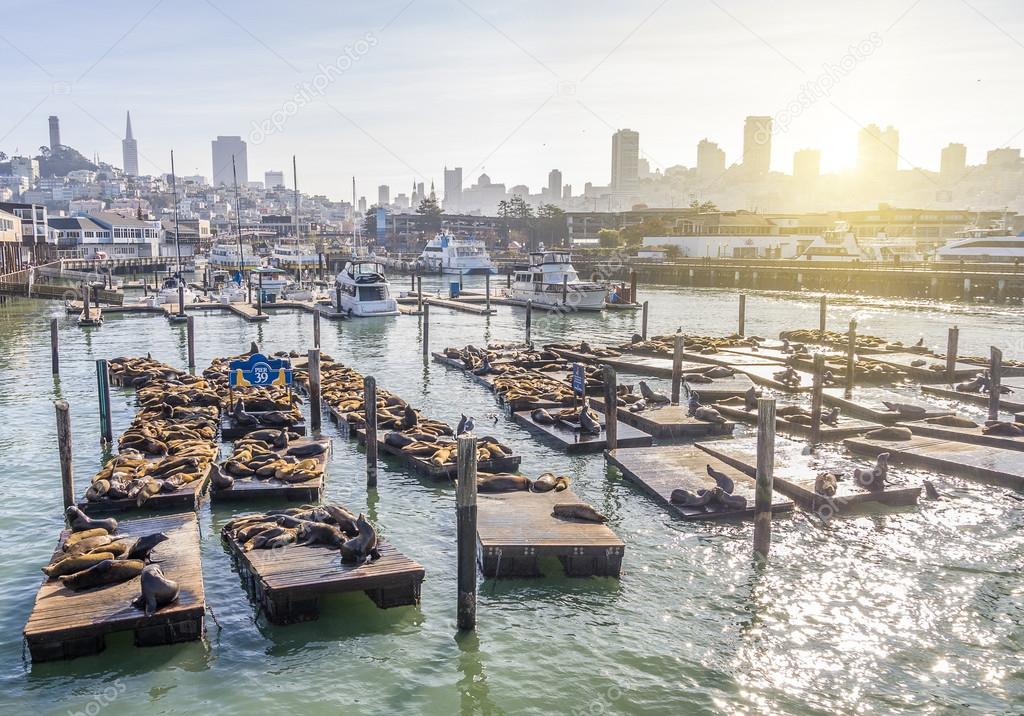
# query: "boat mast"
238, 218
295, 183
177, 233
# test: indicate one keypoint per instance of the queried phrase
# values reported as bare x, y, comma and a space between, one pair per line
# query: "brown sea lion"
890, 434
502, 482
74, 564
826, 484
363, 546
1002, 428
157, 590
109, 571
78, 521
548, 482
952, 421
577, 511
143, 546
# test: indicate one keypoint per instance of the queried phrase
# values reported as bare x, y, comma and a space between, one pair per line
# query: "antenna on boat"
238, 218
177, 232
295, 181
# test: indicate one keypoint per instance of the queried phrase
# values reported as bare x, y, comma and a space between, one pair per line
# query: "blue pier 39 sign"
258, 370
579, 379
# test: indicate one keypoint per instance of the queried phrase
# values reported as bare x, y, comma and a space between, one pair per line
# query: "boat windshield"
366, 269
556, 257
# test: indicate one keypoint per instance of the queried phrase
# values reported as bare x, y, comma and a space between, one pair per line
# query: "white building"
273, 179
25, 167
726, 246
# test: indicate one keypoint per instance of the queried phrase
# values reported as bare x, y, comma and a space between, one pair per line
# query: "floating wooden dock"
516, 529
845, 427
447, 471
964, 435
765, 375
667, 422
231, 431
659, 471
867, 403
188, 497
253, 488
637, 364
288, 583
93, 320
66, 624
1011, 402
457, 305
982, 463
573, 441
930, 371
795, 478
719, 388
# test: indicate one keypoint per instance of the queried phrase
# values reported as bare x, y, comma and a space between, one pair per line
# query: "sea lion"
345, 520
87, 544
241, 417
721, 479
78, 521
688, 499
788, 411
800, 419
109, 571
826, 484
76, 537
277, 439
542, 417
219, 480
409, 418
892, 434
929, 490
732, 502
651, 397
1002, 428
952, 421
547, 482
577, 511
708, 415
720, 371
157, 590
319, 533
697, 379
750, 399
502, 483
873, 480
308, 450
363, 546
831, 417
788, 377
907, 411
588, 423
398, 440
144, 545
918, 363
75, 563
636, 338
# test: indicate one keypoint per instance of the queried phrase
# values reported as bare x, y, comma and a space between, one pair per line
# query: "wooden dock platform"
845, 427
794, 477
66, 624
288, 583
719, 388
981, 463
516, 529
867, 404
964, 435
457, 305
189, 497
573, 442
636, 364
230, 431
252, 488
447, 471
659, 471
668, 422
94, 320
1011, 402
765, 375
925, 373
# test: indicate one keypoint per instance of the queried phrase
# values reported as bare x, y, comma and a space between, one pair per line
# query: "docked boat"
448, 254
168, 292
233, 292
550, 280
225, 255
361, 289
271, 280
837, 244
994, 244
295, 256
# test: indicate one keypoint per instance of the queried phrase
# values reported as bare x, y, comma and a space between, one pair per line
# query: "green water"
901, 611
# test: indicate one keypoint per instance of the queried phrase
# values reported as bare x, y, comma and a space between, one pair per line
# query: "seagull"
466, 425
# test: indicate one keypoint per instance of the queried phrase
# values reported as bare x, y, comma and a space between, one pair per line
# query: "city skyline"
559, 98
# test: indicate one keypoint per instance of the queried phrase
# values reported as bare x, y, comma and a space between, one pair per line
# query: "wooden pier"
66, 624
229, 430
964, 435
867, 404
569, 440
188, 497
448, 471
844, 428
981, 463
516, 529
719, 388
933, 371
1011, 402
457, 305
659, 471
253, 488
91, 319
667, 422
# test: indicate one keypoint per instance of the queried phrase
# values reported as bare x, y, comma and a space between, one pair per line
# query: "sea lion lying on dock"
157, 590
577, 511
826, 484
1003, 428
651, 397
363, 546
502, 482
542, 417
907, 411
78, 521
890, 434
547, 482
788, 377
952, 421
106, 572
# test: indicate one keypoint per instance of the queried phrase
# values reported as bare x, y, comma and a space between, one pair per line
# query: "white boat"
361, 289
295, 256
168, 292
225, 255
448, 254
233, 292
298, 292
272, 280
837, 244
550, 280
994, 244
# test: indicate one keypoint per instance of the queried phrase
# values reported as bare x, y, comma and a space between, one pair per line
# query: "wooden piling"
426, 330
315, 408
54, 347
259, 296
370, 408
565, 290
851, 350
86, 305
190, 337
822, 310
632, 286
337, 299
677, 369
995, 371
466, 539
181, 298
529, 320
816, 398
103, 392
413, 281
64, 446
643, 322
765, 474
316, 329
743, 315
952, 347
611, 408
419, 293
487, 291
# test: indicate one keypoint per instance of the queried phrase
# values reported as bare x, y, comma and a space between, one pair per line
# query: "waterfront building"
273, 180
710, 160
10, 242
953, 162
35, 242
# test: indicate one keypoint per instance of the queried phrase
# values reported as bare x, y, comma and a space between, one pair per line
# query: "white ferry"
447, 254
550, 280
295, 256
224, 255
362, 290
994, 244
838, 244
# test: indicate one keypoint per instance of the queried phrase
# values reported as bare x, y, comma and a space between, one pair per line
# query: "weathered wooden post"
412, 276
743, 315
995, 372
259, 297
487, 290
248, 288
315, 409
370, 411
316, 329
426, 330
632, 286
643, 321
419, 293
851, 350
64, 446
565, 290
103, 392
677, 369
816, 389
54, 347
337, 299
952, 347
764, 476
190, 337
181, 297
822, 310
529, 319
508, 278
611, 408
465, 517
88, 301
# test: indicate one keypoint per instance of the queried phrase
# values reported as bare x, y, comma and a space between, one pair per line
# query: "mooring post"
190, 336
952, 347
765, 473
370, 409
316, 329
67, 480
54, 347
419, 293
315, 409
677, 369
487, 290
611, 408
412, 276
851, 350
337, 299
529, 319
743, 315
426, 329
248, 288
822, 309
632, 286
643, 321
88, 302
465, 518
259, 297
565, 290
103, 391
508, 278
816, 388
181, 298
995, 372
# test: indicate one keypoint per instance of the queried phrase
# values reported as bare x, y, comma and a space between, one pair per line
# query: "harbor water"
913, 610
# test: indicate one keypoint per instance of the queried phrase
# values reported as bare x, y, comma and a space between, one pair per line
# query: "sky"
394, 90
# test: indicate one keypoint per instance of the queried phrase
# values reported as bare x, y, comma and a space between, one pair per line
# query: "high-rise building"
129, 149
273, 179
625, 160
710, 160
1003, 157
953, 162
383, 195
224, 148
362, 205
806, 164
554, 191
54, 132
877, 150
453, 189
567, 192
757, 145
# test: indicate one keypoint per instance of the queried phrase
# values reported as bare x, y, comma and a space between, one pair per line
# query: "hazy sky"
511, 88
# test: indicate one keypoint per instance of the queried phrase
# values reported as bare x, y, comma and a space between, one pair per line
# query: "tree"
650, 226
519, 208
504, 209
608, 239
431, 211
3, 157
672, 252
44, 151
706, 207
549, 211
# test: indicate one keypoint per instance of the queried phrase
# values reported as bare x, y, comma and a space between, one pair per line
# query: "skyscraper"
383, 195
129, 148
54, 132
877, 150
806, 164
273, 179
223, 149
453, 189
625, 160
710, 160
757, 145
954, 161
554, 185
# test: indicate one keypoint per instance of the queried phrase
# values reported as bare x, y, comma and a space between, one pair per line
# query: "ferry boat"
837, 244
550, 280
448, 254
224, 255
295, 256
994, 244
362, 290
